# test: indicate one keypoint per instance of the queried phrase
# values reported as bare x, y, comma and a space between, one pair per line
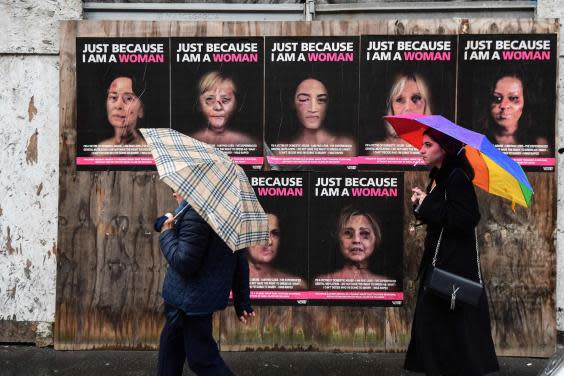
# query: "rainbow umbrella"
495, 172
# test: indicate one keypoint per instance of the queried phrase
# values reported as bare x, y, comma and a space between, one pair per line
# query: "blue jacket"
202, 268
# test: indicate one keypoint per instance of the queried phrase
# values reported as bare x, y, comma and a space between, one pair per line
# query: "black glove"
160, 221
239, 308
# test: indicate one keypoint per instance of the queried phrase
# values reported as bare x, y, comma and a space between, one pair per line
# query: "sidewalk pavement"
33, 361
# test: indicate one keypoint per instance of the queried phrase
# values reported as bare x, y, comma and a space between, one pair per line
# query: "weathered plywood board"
518, 259
110, 267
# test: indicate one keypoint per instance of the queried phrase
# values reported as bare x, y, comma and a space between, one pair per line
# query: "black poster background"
289, 203
325, 256
247, 76
358, 93
380, 70
309, 240
92, 82
478, 73
283, 77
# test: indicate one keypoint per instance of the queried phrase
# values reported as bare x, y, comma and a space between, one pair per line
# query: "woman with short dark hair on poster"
262, 258
449, 337
218, 105
508, 119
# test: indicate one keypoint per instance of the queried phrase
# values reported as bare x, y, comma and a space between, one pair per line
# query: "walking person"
202, 270
449, 339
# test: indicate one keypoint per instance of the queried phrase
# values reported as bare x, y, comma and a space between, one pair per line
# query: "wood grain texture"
519, 259
110, 268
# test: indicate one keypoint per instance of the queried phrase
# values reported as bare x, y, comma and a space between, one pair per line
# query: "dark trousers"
189, 338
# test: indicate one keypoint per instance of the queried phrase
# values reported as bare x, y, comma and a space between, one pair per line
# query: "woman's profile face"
409, 100
431, 152
265, 254
311, 100
218, 105
507, 102
357, 239
123, 107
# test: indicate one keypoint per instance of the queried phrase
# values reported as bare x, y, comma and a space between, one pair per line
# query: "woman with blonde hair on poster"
217, 102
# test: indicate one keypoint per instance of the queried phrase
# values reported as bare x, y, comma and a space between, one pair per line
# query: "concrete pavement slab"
33, 361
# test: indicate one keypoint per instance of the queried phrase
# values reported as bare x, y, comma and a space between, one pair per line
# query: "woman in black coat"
445, 341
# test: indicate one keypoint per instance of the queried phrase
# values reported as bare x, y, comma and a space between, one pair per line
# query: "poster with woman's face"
507, 91
356, 237
122, 86
407, 74
217, 91
311, 101
278, 270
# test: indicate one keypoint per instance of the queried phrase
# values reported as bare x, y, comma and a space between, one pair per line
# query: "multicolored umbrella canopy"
212, 184
495, 172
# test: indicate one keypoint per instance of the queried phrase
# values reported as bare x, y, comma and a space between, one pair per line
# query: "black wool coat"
445, 341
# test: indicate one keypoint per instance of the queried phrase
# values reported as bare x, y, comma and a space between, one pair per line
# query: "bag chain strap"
477, 252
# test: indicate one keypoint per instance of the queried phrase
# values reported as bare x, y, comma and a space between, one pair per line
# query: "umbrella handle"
180, 212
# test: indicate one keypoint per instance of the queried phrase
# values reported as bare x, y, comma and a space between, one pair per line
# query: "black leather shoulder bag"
451, 286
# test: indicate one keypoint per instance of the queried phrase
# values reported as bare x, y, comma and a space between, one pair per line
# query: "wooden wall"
110, 268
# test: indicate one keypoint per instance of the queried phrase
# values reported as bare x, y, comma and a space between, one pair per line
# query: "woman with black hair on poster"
125, 111
508, 119
311, 101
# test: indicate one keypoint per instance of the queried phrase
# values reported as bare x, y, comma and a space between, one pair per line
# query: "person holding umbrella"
205, 244
447, 340
202, 271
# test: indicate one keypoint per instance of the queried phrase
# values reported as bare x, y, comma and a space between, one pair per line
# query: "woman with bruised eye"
311, 102
409, 94
508, 121
358, 236
217, 102
262, 258
125, 111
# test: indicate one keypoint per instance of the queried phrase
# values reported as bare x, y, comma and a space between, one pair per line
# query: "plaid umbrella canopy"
213, 185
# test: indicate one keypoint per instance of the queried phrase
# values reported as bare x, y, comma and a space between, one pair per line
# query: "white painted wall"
29, 155
32, 26
29, 151
554, 9
29, 187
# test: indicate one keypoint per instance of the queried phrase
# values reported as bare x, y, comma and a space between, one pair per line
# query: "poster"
311, 101
507, 91
278, 271
407, 74
122, 85
356, 237
217, 91
335, 238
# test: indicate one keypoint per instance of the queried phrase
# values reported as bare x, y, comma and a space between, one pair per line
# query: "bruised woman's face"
218, 105
265, 254
409, 100
507, 102
310, 101
123, 107
357, 239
